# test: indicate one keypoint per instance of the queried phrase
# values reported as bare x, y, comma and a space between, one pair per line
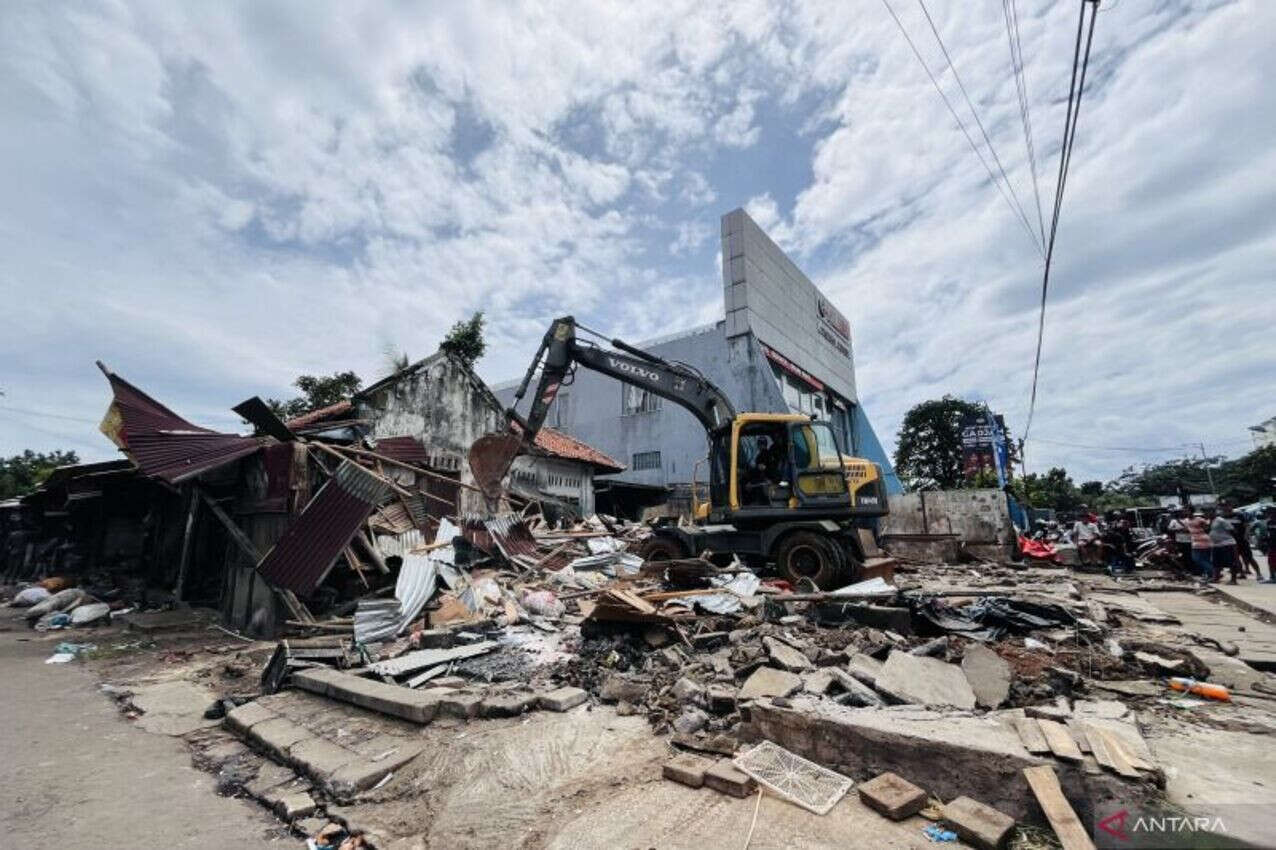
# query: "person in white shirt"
1085, 535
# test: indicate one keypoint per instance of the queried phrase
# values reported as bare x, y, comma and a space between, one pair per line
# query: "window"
646, 460
561, 413
635, 400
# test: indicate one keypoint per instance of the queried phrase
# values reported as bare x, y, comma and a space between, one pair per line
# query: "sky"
213, 198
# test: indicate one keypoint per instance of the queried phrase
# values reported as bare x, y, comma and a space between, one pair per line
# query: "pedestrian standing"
1199, 531
1240, 531
1181, 537
1267, 542
1223, 547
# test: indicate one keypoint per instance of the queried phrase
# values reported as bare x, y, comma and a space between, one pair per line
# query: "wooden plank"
1063, 820
1030, 734
1117, 754
232, 528
1060, 740
183, 566
1114, 739
1099, 747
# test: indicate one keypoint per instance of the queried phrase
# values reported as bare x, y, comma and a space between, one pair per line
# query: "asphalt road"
74, 775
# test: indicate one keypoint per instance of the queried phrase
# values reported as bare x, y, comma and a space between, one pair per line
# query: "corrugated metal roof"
163, 444
406, 449
312, 543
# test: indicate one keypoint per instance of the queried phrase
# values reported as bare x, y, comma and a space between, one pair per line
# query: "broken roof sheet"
161, 443
558, 444
307, 550
336, 411
404, 449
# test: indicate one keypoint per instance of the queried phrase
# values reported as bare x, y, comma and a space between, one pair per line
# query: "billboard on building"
768, 295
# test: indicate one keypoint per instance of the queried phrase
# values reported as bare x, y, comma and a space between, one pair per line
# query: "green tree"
316, 391
465, 340
23, 473
1052, 490
1091, 489
929, 449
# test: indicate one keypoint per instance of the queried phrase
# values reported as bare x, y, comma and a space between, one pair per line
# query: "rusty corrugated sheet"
312, 543
509, 536
161, 443
403, 449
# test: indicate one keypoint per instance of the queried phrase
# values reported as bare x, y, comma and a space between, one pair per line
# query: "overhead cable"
1011, 11
952, 66
962, 126
1075, 90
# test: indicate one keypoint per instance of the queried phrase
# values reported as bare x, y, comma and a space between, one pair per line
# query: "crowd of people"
1204, 542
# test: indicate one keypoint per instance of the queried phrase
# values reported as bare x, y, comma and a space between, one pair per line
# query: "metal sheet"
404, 449
423, 658
311, 544
376, 620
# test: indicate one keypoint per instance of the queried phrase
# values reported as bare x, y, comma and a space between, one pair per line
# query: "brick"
506, 705
892, 795
725, 777
563, 699
246, 716
619, 689
977, 824
319, 759
278, 736
687, 770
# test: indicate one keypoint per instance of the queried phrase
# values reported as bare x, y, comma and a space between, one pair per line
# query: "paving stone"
460, 704
892, 795
786, 656
988, 674
364, 774
506, 705
278, 736
769, 682
562, 699
320, 759
725, 777
977, 824
247, 716
926, 681
688, 770
393, 700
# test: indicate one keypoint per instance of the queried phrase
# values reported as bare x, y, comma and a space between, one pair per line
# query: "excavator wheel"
661, 549
810, 555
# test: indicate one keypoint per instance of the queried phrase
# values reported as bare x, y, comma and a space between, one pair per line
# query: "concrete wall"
978, 517
562, 480
766, 293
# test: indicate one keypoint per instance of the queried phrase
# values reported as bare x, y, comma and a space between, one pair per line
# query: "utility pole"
1208, 474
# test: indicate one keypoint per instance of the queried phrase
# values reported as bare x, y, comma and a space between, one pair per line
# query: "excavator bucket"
490, 459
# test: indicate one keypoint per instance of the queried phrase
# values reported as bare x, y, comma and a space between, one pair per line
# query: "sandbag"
30, 596
83, 615
63, 600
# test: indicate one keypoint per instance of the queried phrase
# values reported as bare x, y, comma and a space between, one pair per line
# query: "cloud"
214, 198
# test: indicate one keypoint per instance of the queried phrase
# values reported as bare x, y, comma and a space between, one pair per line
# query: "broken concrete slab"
926, 681
988, 674
290, 805
866, 668
416, 706
243, 718
958, 753
691, 720
892, 796
978, 824
688, 770
276, 737
726, 777
686, 690
563, 699
1058, 711
319, 759
269, 775
786, 656
361, 775
459, 704
173, 708
769, 682
857, 692
817, 682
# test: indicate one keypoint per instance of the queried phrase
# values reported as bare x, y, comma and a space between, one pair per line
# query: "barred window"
646, 460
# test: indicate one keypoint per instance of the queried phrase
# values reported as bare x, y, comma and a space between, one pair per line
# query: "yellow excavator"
780, 490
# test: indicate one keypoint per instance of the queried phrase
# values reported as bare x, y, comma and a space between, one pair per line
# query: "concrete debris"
725, 777
926, 681
770, 682
786, 656
977, 824
687, 770
989, 675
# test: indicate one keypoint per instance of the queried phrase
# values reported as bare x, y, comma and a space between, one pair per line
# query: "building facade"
781, 346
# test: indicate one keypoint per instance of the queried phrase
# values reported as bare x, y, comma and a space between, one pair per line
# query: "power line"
1065, 158
960, 124
48, 415
1011, 11
952, 66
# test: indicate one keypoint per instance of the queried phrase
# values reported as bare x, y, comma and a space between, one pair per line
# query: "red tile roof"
557, 444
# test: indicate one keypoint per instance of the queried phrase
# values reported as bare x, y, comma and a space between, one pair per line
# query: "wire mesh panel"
805, 783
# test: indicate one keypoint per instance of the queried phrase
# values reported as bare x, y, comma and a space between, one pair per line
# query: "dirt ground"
75, 776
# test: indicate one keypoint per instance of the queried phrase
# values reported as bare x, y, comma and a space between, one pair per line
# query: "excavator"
780, 490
